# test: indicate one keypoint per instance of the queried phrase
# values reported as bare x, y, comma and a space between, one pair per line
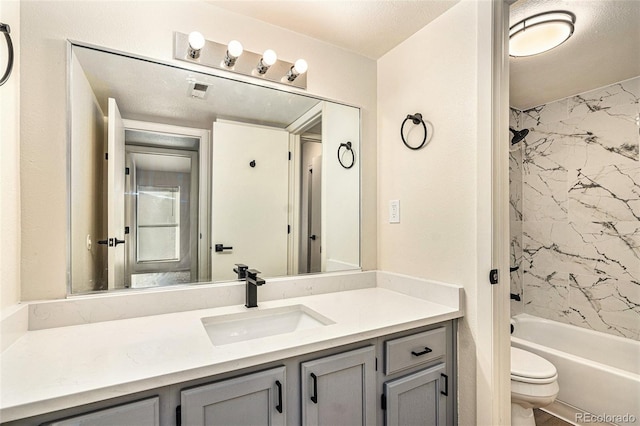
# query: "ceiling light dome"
541, 32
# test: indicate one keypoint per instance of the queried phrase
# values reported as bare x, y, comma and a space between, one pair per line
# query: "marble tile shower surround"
575, 210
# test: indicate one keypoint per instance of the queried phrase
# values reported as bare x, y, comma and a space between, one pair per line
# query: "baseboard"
569, 414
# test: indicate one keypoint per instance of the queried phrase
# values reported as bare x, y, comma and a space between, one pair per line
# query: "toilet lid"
527, 366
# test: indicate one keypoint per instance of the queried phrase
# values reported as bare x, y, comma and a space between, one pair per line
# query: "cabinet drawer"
414, 350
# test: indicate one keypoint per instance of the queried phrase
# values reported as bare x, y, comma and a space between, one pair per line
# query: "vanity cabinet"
417, 399
139, 413
340, 389
416, 379
404, 378
253, 399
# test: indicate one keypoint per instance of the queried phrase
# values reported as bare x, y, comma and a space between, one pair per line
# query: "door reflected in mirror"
162, 209
178, 175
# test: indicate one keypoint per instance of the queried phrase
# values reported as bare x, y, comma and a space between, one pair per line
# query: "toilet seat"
527, 367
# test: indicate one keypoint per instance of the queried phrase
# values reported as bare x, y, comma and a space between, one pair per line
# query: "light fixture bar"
213, 55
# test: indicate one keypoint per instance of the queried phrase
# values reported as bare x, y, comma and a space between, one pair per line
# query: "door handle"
314, 397
279, 406
313, 237
111, 242
221, 247
445, 392
426, 351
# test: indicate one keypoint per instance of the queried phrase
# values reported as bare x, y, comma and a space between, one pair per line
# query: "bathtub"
597, 373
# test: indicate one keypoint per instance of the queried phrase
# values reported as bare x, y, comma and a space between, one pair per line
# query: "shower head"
518, 135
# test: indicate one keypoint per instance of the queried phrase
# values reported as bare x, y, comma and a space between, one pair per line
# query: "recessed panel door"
339, 390
417, 399
254, 399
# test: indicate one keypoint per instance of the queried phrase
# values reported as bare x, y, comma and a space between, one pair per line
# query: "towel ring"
5, 29
347, 146
416, 119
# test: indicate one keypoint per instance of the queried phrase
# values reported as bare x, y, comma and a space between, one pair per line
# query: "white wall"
10, 163
146, 28
341, 225
444, 232
87, 132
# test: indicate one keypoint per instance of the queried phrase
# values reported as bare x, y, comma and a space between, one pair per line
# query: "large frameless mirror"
178, 175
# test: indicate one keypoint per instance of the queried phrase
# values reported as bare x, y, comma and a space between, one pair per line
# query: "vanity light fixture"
300, 67
196, 43
540, 33
269, 58
234, 50
232, 57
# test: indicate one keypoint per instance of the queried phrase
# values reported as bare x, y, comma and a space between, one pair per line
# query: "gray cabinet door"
340, 389
417, 399
254, 399
140, 413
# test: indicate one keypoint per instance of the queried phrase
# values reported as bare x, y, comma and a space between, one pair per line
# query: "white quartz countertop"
57, 368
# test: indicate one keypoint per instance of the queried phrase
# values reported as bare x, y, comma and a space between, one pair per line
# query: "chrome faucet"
253, 281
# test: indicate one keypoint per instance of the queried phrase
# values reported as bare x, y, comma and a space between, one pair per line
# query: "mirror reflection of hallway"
161, 211
310, 206
166, 209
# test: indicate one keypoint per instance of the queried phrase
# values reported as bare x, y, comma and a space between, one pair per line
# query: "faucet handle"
253, 278
241, 270
253, 273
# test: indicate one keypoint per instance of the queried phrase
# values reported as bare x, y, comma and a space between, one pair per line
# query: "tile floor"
546, 419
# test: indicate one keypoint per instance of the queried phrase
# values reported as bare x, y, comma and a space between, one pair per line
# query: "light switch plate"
394, 211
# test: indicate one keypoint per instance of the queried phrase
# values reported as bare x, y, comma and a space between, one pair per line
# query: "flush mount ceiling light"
232, 57
541, 32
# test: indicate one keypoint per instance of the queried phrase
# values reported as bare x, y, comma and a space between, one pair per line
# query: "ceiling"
368, 27
604, 49
149, 91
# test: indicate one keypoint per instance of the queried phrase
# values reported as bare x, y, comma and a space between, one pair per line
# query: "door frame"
307, 120
116, 256
493, 363
204, 185
131, 208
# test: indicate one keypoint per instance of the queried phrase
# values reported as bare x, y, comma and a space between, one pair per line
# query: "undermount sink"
254, 324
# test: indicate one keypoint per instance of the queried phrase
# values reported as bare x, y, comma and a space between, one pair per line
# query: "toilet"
534, 384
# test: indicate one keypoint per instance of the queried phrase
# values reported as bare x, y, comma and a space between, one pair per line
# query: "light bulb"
234, 48
269, 57
196, 40
301, 66
196, 43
